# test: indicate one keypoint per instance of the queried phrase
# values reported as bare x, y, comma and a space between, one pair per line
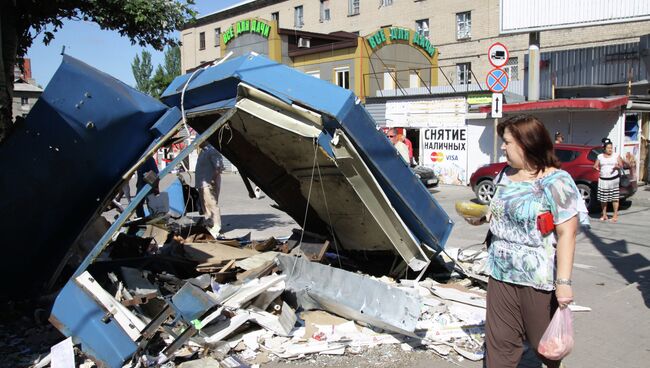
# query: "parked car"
577, 160
426, 175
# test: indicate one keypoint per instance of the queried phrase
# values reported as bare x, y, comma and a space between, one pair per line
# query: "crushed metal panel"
350, 295
58, 169
280, 137
376, 201
76, 314
192, 302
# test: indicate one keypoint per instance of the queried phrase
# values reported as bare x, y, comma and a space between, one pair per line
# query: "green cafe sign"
379, 39
246, 26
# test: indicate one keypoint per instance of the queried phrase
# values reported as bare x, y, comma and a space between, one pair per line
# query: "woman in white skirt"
609, 164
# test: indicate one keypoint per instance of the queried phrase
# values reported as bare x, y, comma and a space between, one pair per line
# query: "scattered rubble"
272, 306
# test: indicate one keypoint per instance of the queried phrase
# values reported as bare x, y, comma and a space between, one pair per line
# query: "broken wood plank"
263, 270
228, 266
256, 260
313, 251
215, 254
266, 245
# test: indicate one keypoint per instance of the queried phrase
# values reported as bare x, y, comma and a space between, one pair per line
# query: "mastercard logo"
437, 156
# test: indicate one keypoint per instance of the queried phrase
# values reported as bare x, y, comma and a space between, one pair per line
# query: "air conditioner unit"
304, 42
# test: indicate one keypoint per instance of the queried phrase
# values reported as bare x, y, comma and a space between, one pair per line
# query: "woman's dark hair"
606, 142
533, 138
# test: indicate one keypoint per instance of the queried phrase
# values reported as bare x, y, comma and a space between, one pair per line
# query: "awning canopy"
608, 103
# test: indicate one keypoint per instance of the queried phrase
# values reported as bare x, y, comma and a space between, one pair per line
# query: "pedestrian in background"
534, 217
398, 144
559, 138
209, 167
409, 145
610, 165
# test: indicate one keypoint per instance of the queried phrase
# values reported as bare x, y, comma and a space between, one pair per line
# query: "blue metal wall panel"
77, 314
58, 165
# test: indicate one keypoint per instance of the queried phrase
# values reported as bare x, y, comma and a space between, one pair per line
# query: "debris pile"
237, 303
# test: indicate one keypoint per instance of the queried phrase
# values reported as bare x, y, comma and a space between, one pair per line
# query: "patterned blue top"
519, 254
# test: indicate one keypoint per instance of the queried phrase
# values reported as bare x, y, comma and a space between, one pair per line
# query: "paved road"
611, 274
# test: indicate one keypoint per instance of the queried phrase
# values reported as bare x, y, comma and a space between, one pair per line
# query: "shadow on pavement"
632, 266
251, 221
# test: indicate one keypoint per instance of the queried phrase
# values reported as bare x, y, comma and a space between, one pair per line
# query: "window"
217, 37
276, 17
24, 101
314, 73
414, 79
385, 2
463, 25
202, 41
512, 68
353, 7
566, 155
297, 17
593, 154
422, 27
463, 73
324, 10
343, 77
390, 76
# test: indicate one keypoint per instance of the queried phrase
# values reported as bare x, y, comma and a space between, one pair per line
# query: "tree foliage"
144, 22
155, 85
142, 69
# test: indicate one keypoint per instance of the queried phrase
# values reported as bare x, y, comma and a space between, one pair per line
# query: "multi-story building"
26, 92
422, 64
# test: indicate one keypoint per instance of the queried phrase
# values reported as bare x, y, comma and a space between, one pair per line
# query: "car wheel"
485, 191
585, 193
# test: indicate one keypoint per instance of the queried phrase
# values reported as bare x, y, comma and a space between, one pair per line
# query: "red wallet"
545, 223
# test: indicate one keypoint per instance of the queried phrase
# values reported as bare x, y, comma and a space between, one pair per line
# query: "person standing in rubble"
399, 145
209, 167
534, 217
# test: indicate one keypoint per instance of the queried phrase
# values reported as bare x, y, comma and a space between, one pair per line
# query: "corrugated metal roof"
602, 65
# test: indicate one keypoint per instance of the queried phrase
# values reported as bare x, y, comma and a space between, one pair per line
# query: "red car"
577, 160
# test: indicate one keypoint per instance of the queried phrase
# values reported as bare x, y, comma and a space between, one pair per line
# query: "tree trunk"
8, 49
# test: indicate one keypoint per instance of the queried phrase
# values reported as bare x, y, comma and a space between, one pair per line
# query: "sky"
102, 49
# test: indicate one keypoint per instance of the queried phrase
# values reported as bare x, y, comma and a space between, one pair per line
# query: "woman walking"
534, 217
609, 164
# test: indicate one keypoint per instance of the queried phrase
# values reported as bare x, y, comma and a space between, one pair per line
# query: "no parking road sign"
497, 80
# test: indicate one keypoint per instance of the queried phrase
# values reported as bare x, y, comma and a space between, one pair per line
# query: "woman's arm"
597, 164
566, 244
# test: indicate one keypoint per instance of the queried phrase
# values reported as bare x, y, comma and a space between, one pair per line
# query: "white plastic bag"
557, 341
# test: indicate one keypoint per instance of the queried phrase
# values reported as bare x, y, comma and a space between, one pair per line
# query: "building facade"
461, 31
26, 92
388, 65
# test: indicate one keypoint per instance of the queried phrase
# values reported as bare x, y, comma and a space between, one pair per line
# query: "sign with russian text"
386, 36
256, 26
445, 150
